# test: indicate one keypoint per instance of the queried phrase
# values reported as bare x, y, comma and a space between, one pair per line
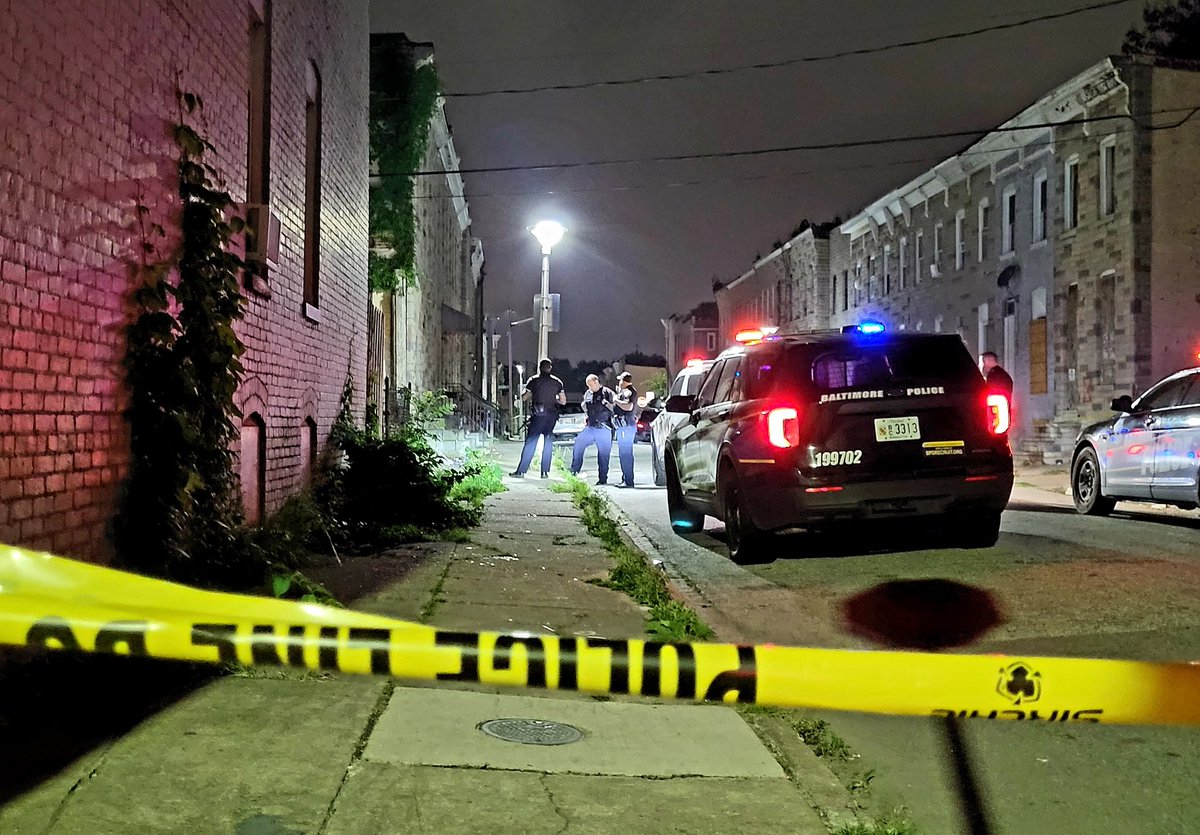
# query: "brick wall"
88, 92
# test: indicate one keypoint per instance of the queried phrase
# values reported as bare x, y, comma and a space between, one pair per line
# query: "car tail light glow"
783, 427
823, 489
998, 413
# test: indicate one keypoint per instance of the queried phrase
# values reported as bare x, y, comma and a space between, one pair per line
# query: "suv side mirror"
1124, 403
681, 403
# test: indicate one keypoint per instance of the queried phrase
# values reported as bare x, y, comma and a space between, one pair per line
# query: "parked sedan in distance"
687, 381
1149, 452
571, 421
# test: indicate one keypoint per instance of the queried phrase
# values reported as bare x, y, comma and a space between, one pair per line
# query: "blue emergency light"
866, 328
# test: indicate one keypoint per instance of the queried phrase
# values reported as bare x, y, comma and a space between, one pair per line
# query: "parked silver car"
1149, 452
687, 381
571, 421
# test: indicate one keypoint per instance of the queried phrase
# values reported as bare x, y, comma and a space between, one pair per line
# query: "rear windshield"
898, 362
687, 383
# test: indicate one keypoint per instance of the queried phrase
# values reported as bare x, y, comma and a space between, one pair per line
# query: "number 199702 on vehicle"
809, 430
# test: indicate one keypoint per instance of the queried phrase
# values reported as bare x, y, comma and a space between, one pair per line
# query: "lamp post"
548, 233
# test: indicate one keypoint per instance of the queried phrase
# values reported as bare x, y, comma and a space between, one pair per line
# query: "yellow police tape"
54, 603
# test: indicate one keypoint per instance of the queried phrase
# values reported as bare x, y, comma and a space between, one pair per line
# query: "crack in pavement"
554, 804
78, 784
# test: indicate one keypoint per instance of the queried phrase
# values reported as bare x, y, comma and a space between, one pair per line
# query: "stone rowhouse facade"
1078, 247
88, 91
789, 288
435, 329
692, 335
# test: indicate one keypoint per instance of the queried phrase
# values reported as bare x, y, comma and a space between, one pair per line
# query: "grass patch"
887, 825
816, 734
667, 619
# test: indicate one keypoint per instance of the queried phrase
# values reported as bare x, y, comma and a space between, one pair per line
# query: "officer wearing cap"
545, 393
625, 417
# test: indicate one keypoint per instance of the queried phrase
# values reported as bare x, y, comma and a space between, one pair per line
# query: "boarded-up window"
308, 450
1038, 382
253, 459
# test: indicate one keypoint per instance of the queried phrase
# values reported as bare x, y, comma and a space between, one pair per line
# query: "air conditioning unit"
262, 233
935, 271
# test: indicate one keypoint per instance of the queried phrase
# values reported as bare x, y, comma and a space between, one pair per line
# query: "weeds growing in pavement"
667, 619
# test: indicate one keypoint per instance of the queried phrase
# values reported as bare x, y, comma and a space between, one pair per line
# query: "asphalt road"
1127, 586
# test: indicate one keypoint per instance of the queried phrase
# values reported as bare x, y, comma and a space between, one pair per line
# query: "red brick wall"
87, 92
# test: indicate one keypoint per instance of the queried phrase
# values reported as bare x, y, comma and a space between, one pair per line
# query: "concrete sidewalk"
1052, 485
283, 752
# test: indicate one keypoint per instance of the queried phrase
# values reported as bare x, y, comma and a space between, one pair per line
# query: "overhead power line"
807, 59
817, 146
703, 181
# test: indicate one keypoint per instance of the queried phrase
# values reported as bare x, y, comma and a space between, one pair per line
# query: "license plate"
897, 429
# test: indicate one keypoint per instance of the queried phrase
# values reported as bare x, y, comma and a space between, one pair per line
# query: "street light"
548, 233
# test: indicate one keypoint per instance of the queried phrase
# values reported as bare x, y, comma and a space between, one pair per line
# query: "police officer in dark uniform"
997, 378
599, 402
625, 418
546, 393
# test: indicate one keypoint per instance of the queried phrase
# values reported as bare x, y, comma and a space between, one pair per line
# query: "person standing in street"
598, 402
995, 375
545, 393
625, 419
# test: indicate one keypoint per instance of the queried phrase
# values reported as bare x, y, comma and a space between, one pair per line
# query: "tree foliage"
1170, 31
402, 102
180, 506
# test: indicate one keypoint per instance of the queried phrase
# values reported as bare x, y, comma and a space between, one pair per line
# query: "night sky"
646, 240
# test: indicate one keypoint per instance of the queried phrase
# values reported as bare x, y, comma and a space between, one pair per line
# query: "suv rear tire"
1085, 485
746, 542
683, 519
978, 529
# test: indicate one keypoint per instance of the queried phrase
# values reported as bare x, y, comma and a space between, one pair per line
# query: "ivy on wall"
403, 100
180, 507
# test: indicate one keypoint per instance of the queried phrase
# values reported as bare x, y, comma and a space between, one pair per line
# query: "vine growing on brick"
403, 99
180, 510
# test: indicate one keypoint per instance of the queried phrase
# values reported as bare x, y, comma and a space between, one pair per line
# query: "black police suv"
809, 430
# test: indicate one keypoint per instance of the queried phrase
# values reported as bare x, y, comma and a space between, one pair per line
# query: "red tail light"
783, 427
998, 413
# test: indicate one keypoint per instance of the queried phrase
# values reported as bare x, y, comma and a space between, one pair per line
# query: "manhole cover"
531, 731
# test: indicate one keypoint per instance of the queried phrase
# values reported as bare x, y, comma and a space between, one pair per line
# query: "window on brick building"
887, 269
845, 290
312, 190
711, 341
1071, 193
960, 238
1108, 165
1008, 207
937, 245
259, 99
984, 216
308, 451
253, 460
919, 256
902, 262
1040, 204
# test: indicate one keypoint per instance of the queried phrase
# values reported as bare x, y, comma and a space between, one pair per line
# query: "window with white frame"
984, 216
981, 336
887, 269
1008, 207
1071, 193
710, 341
1108, 165
901, 263
937, 323
937, 245
960, 238
1040, 204
919, 256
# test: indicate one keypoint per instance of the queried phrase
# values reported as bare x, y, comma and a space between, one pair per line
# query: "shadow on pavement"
55, 707
1132, 515
848, 541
